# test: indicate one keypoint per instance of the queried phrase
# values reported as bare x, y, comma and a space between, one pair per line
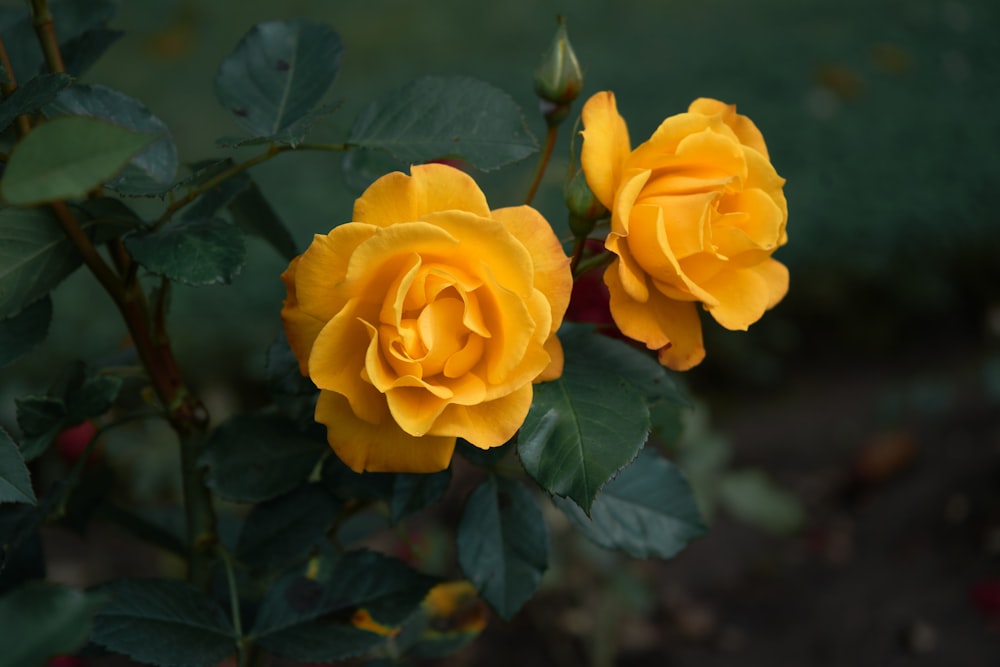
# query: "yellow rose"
696, 212
426, 318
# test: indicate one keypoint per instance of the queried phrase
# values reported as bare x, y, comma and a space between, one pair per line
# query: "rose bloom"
696, 212
425, 319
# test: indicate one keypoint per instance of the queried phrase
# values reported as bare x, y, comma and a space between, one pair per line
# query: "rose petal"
552, 275
396, 197
672, 327
605, 146
489, 424
742, 296
323, 266
382, 447
337, 364
744, 128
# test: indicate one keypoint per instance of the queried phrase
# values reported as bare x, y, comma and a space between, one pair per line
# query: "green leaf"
503, 544
40, 620
404, 493
250, 209
71, 19
40, 419
194, 252
15, 481
437, 117
286, 528
151, 170
412, 493
209, 203
163, 622
283, 375
485, 457
277, 76
581, 430
31, 96
751, 496
360, 168
80, 53
88, 395
65, 158
251, 458
21, 554
20, 333
647, 510
109, 218
290, 621
254, 215
322, 641
638, 367
347, 484
35, 256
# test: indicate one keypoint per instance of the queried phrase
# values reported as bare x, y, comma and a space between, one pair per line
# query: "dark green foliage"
163, 622
503, 545
251, 458
646, 510
446, 117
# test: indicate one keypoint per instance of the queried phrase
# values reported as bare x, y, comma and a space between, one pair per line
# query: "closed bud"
558, 78
584, 208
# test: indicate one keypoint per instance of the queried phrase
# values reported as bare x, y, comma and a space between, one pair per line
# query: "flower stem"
234, 605
543, 162
45, 30
8, 86
218, 179
186, 413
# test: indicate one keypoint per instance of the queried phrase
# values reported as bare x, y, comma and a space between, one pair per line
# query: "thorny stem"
8, 86
543, 162
185, 411
45, 30
218, 179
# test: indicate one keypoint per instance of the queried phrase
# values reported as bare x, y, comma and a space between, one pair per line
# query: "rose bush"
696, 212
425, 319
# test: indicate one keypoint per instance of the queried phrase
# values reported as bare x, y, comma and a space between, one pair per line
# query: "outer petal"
552, 275
775, 274
605, 146
396, 197
324, 265
488, 424
379, 447
744, 128
741, 298
672, 327
301, 328
556, 360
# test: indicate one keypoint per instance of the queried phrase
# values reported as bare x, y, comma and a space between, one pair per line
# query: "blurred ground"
897, 563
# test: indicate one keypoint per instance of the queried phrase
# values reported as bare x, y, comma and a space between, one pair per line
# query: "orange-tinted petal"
396, 197
488, 424
552, 275
742, 296
556, 360
337, 361
775, 274
323, 265
605, 146
380, 447
744, 128
663, 324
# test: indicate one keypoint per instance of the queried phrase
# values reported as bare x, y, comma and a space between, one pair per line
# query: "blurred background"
846, 449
